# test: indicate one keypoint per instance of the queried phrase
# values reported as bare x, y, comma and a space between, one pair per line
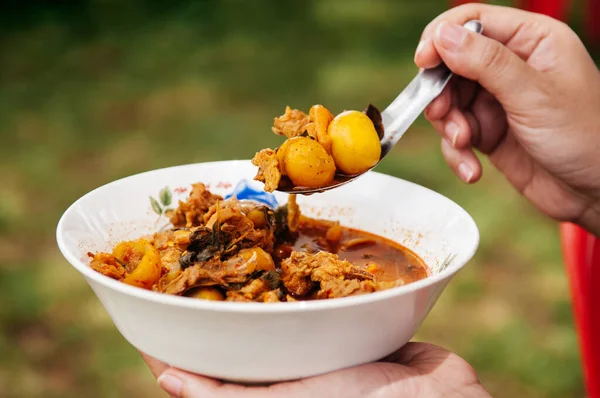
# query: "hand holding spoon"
400, 114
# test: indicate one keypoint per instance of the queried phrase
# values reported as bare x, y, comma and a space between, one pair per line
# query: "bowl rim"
253, 307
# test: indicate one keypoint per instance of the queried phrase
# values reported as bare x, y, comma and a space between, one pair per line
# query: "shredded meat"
351, 287
268, 169
191, 213
257, 290
301, 270
207, 274
272, 296
233, 221
170, 258
230, 217
345, 287
167, 278
106, 264
291, 124
172, 239
237, 269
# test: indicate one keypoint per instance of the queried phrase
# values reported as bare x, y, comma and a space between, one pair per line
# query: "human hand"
416, 370
529, 98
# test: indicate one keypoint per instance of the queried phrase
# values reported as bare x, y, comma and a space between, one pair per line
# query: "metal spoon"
400, 114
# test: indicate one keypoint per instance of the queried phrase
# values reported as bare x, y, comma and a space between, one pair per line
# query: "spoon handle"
412, 101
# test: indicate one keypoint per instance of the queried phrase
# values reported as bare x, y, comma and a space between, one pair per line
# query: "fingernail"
451, 35
170, 383
465, 172
420, 48
452, 131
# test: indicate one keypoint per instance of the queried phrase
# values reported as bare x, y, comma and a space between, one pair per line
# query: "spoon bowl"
398, 116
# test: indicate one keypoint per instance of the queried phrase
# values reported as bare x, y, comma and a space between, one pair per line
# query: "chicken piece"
197, 275
293, 214
345, 287
210, 273
239, 229
320, 118
167, 278
215, 272
269, 171
171, 239
329, 266
253, 291
224, 214
190, 213
257, 290
169, 257
335, 288
272, 296
301, 270
170, 261
236, 296
106, 264
291, 124
261, 238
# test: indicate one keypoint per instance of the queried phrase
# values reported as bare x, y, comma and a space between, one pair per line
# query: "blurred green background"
91, 91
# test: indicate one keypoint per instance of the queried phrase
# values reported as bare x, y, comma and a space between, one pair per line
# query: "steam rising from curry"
241, 250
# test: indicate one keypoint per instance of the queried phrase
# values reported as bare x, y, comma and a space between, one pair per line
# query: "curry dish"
239, 250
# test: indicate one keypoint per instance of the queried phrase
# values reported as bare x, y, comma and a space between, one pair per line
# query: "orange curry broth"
393, 261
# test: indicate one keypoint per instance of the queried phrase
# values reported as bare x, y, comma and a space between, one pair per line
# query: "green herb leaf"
273, 278
155, 206
165, 196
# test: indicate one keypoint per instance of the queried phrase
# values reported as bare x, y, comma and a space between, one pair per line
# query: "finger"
354, 382
180, 384
466, 90
519, 30
439, 107
488, 62
463, 162
426, 55
474, 129
156, 367
454, 127
488, 122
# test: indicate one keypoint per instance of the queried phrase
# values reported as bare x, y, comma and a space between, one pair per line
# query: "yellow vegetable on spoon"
355, 145
306, 162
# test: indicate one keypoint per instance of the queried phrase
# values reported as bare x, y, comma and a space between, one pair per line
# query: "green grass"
100, 90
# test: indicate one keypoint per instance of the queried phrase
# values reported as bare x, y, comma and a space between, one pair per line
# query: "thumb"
180, 384
486, 61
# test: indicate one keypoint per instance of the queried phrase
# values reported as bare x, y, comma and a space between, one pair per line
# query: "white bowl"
268, 342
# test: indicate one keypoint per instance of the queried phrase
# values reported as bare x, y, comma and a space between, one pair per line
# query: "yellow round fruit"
307, 163
280, 154
355, 145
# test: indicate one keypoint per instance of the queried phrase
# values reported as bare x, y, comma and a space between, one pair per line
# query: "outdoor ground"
100, 90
